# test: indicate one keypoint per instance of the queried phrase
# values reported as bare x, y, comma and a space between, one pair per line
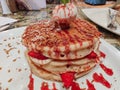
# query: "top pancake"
46, 38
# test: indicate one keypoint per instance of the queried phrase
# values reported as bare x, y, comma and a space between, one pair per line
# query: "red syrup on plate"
68, 81
101, 79
75, 86
54, 87
31, 83
102, 54
67, 78
44, 86
90, 85
106, 69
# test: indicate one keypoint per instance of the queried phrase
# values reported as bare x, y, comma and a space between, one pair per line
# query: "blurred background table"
27, 17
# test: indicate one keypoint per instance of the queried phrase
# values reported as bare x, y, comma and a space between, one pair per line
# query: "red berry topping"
67, 78
37, 55
92, 55
64, 24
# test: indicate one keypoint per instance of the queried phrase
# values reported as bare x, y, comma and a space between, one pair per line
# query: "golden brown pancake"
66, 50
48, 75
45, 37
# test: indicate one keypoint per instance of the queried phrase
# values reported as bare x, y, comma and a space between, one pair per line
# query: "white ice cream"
65, 11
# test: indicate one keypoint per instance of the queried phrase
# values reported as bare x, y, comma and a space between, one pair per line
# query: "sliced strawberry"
37, 55
67, 78
75, 86
92, 55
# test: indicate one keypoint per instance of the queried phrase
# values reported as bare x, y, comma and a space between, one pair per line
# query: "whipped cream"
65, 11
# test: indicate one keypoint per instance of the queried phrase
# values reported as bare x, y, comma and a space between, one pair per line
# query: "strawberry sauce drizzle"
67, 79
31, 83
54, 87
75, 86
90, 85
37, 55
44, 86
92, 55
101, 79
102, 54
106, 69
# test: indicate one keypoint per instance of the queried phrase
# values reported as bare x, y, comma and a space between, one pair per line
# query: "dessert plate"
15, 72
5, 22
100, 16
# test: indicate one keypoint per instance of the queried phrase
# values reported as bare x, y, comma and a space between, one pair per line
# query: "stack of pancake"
52, 51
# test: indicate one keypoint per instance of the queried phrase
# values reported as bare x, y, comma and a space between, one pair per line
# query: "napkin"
5, 22
31, 4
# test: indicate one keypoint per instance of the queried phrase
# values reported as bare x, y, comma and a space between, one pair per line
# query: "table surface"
27, 17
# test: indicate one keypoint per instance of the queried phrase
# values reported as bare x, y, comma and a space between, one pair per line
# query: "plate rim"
14, 30
87, 9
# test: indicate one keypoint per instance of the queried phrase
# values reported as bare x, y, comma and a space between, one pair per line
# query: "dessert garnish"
92, 55
37, 55
64, 12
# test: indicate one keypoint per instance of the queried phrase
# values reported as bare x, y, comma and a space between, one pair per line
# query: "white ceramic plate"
7, 22
14, 70
100, 17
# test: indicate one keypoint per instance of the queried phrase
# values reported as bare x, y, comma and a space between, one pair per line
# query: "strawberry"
36, 55
64, 24
67, 78
75, 86
92, 55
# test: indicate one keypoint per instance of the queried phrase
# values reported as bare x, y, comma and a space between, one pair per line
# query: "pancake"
53, 51
42, 73
52, 69
54, 43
